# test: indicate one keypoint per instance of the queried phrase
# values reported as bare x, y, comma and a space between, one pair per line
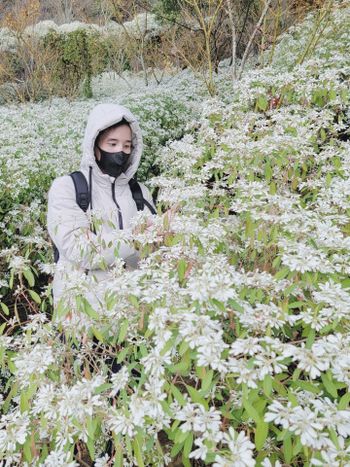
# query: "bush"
79, 57
233, 334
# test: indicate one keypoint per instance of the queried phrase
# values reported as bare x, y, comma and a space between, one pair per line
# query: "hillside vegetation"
233, 334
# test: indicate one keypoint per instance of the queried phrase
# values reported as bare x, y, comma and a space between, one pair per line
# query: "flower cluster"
229, 344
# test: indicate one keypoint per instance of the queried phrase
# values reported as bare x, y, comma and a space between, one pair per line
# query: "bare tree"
135, 40
61, 11
233, 37
250, 42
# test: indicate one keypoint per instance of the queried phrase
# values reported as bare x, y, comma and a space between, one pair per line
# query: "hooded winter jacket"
69, 226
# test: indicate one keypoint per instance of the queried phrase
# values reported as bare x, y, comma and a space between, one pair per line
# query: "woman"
112, 150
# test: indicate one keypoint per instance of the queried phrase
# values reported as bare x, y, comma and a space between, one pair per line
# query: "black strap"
83, 197
137, 195
82, 193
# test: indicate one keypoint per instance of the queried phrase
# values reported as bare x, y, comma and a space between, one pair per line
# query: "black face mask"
113, 163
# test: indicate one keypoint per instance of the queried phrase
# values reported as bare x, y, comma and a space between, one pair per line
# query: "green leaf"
98, 334
29, 276
310, 338
137, 448
206, 381
329, 385
61, 310
86, 308
282, 273
27, 450
236, 306
122, 331
122, 354
261, 432
267, 385
24, 403
2, 327
251, 411
262, 103
297, 447
183, 347
306, 386
180, 436
9, 398
91, 447
169, 344
35, 296
177, 394
344, 401
268, 172
196, 396
295, 305
187, 446
134, 301
287, 449
176, 449
104, 387
118, 457
183, 366
181, 269
323, 134
5, 308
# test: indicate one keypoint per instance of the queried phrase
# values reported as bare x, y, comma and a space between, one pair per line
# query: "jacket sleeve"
69, 229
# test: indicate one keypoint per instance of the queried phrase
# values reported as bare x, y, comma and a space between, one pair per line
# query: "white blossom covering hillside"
233, 334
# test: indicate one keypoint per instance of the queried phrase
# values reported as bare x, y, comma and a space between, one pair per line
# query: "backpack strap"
82, 193
82, 196
137, 195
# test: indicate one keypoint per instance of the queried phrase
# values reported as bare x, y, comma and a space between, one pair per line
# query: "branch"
233, 28
247, 50
140, 4
244, 22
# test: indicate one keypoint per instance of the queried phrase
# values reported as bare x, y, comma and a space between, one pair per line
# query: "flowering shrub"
42, 141
233, 334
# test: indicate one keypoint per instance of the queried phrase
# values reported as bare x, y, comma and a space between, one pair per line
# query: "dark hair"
123, 121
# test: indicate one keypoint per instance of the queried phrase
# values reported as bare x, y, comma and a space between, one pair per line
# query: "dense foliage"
65, 58
233, 334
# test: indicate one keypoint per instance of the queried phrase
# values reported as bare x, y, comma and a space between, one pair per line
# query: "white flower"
267, 463
154, 361
102, 461
304, 422
119, 380
249, 346
334, 456
35, 362
313, 360
188, 414
14, 428
269, 363
279, 414
121, 423
241, 451
59, 459
201, 451
243, 372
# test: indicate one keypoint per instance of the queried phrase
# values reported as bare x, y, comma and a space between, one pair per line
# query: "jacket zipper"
120, 217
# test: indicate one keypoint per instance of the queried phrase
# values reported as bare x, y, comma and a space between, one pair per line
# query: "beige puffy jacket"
69, 226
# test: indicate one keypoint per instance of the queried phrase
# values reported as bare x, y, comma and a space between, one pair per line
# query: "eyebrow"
114, 139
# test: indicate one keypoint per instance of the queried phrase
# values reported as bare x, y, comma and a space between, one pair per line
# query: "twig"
247, 50
233, 35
